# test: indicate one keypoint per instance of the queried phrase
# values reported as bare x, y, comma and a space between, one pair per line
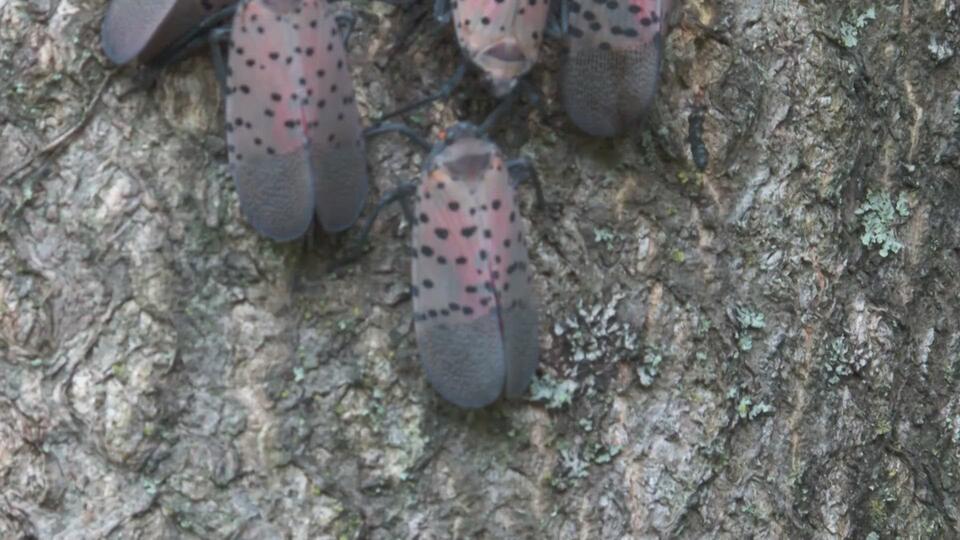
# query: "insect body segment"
137, 29
613, 62
474, 308
293, 129
501, 37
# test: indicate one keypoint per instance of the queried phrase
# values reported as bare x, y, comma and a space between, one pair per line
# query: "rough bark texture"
724, 355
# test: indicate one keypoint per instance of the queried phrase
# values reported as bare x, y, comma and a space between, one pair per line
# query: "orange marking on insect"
438, 175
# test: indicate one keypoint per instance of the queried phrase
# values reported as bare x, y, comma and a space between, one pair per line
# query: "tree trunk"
768, 348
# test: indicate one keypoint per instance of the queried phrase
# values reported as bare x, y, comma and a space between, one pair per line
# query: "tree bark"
768, 348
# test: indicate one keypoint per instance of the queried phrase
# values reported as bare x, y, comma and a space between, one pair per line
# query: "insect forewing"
293, 129
613, 62
474, 308
142, 28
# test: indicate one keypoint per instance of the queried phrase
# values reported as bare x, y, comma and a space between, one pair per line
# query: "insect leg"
533, 95
345, 23
442, 10
445, 90
521, 170
402, 129
558, 19
399, 193
407, 208
402, 194
198, 36
501, 109
215, 38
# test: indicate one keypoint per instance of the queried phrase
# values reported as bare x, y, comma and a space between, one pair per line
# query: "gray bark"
165, 372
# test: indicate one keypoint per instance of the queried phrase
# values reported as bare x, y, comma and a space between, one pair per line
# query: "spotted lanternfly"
612, 66
136, 29
474, 308
294, 138
501, 37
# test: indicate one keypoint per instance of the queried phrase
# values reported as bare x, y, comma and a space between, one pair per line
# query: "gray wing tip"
279, 226
467, 402
515, 389
276, 194
346, 211
469, 377
343, 180
463, 362
522, 342
467, 392
607, 92
282, 232
111, 49
121, 44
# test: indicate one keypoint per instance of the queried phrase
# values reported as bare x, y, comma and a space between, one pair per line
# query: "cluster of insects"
296, 147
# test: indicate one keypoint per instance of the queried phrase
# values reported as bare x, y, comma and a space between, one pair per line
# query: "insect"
698, 150
612, 64
501, 37
294, 139
146, 30
475, 312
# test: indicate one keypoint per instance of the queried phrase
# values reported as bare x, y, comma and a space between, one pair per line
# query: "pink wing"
293, 129
137, 29
474, 308
502, 37
613, 63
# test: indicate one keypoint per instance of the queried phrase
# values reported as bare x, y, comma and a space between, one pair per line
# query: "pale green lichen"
748, 320
953, 425
941, 51
604, 235
850, 29
746, 408
650, 367
554, 393
602, 454
119, 371
575, 462
574, 466
743, 408
882, 427
759, 409
595, 332
840, 363
879, 215
348, 525
703, 326
150, 486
